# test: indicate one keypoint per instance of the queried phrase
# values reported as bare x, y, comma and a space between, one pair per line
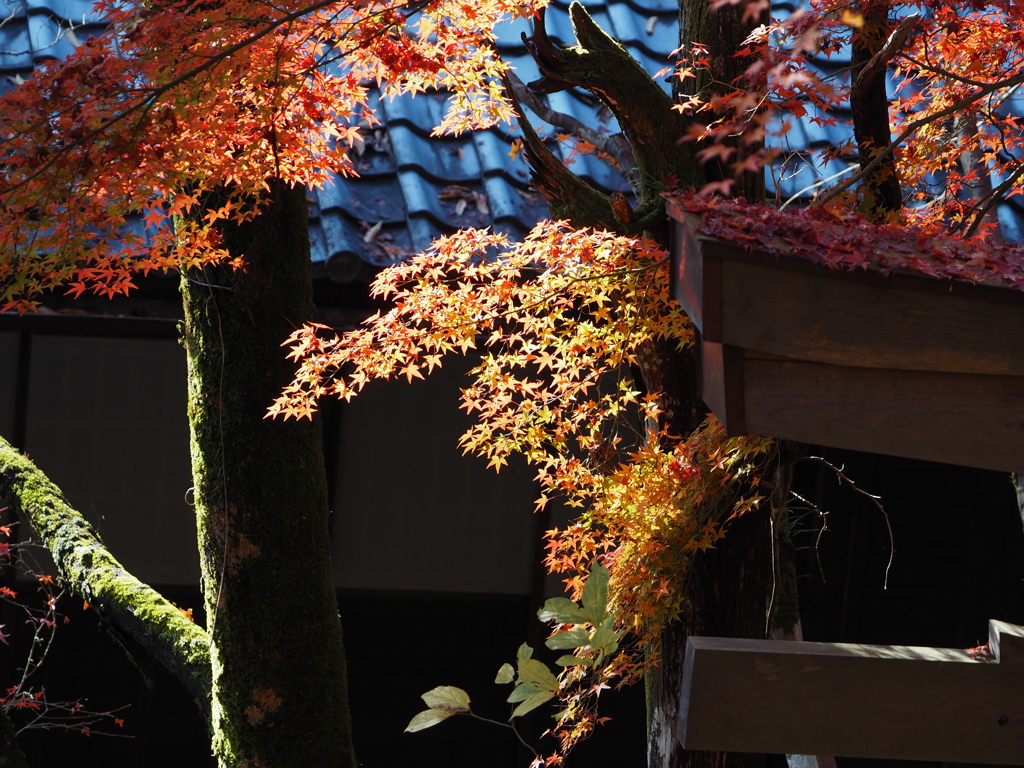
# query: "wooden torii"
848, 700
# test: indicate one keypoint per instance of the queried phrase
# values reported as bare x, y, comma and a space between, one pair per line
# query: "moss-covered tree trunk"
727, 588
279, 692
144, 620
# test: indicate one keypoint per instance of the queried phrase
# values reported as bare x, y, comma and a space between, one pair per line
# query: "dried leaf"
447, 697
372, 232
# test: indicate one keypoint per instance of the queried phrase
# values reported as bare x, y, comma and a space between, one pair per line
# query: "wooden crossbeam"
956, 418
896, 702
899, 364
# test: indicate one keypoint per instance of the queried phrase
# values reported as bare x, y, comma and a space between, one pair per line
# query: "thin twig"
823, 514
522, 741
817, 184
919, 123
874, 500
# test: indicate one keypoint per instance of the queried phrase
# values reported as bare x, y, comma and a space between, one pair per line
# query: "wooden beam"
793, 308
721, 384
954, 418
895, 702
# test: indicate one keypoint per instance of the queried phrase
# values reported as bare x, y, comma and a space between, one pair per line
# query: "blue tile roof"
421, 186
34, 30
417, 187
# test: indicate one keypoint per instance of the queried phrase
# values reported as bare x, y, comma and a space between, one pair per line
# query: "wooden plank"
956, 418
791, 307
829, 318
696, 282
896, 702
720, 367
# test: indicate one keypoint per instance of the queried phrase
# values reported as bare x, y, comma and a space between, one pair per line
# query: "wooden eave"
900, 364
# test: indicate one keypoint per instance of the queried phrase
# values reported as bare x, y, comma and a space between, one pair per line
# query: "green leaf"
537, 672
562, 610
571, 661
524, 652
427, 718
532, 703
595, 594
522, 691
505, 675
604, 636
568, 638
447, 698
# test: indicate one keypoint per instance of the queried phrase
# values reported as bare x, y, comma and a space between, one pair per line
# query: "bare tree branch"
568, 195
602, 65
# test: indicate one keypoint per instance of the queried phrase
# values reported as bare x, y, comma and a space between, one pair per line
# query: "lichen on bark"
279, 694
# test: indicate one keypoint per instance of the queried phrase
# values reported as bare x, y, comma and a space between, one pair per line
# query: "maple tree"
575, 324
207, 118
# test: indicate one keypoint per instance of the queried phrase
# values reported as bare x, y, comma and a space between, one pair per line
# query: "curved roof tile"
417, 186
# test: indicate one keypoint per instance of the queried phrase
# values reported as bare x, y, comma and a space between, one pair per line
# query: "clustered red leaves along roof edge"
850, 241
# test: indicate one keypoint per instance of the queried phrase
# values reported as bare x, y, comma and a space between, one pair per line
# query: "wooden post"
898, 702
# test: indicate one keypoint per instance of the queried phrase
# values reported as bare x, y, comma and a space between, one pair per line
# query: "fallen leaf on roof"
454, 192
371, 233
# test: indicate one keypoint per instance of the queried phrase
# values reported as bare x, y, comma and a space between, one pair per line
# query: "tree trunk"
279, 691
727, 587
727, 592
721, 33
880, 188
11, 755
